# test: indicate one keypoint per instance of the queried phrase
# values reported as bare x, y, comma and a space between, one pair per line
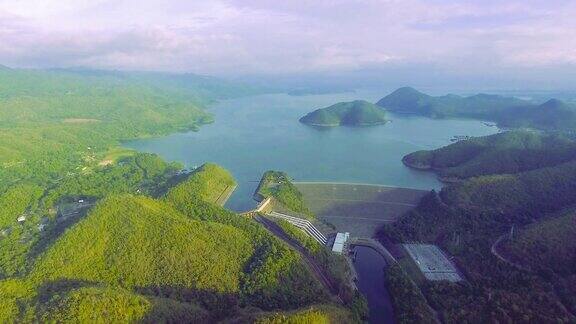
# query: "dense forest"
503, 153
54, 124
213, 265
468, 218
354, 113
334, 266
553, 115
84, 223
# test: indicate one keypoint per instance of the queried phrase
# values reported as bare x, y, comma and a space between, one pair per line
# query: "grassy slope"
509, 152
354, 113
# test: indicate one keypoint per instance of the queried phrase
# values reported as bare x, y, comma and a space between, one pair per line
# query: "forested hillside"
90, 232
553, 115
56, 123
508, 152
176, 257
354, 113
468, 217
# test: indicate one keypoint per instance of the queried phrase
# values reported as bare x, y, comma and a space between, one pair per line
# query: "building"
21, 218
340, 242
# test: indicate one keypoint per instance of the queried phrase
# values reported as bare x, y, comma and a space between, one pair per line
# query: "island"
353, 113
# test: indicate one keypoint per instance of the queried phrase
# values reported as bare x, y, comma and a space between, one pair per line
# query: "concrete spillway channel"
303, 224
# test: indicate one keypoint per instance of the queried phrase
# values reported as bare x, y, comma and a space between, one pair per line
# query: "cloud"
265, 36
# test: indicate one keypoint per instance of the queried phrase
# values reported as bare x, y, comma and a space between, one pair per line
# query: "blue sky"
292, 37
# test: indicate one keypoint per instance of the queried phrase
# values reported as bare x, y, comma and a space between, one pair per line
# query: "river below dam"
253, 134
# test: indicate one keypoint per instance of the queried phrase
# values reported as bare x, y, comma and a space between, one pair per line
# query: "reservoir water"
253, 134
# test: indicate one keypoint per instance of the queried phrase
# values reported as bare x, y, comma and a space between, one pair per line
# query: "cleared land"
432, 262
360, 209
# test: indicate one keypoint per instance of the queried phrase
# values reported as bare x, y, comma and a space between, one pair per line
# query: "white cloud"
286, 36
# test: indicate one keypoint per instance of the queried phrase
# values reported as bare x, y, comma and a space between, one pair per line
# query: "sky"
482, 39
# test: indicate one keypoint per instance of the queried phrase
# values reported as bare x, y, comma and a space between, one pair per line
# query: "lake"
259, 133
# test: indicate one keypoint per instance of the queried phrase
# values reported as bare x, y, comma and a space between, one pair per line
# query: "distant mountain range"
354, 113
506, 111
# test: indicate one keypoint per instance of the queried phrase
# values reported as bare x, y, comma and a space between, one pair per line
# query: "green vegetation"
125, 232
508, 152
211, 264
506, 111
278, 185
335, 267
547, 245
16, 201
466, 219
354, 113
49, 212
57, 123
316, 314
106, 305
310, 244
93, 305
208, 183
112, 235
59, 137
549, 248
410, 305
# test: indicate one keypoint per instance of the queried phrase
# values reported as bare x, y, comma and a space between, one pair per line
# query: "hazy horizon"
472, 43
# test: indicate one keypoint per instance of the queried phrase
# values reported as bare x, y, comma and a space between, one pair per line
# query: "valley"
370, 182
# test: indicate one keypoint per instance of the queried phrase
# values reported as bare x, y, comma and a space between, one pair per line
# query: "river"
259, 133
369, 266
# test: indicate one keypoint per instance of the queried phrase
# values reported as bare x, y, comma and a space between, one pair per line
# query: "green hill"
287, 197
177, 258
53, 122
508, 152
354, 113
409, 100
551, 115
114, 305
467, 217
506, 111
548, 245
207, 183
128, 233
